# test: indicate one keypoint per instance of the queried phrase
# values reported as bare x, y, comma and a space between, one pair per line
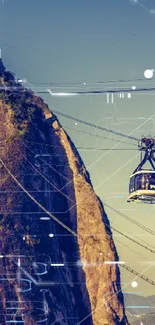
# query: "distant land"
143, 315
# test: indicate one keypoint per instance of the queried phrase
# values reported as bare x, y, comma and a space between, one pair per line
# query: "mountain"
146, 304
147, 319
49, 215
143, 309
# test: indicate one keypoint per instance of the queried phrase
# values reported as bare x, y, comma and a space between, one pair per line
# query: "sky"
83, 41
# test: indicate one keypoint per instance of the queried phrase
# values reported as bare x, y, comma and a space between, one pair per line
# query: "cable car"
142, 181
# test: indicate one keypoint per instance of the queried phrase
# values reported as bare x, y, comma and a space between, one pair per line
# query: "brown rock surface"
56, 181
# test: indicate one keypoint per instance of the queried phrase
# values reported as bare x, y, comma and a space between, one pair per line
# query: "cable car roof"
143, 171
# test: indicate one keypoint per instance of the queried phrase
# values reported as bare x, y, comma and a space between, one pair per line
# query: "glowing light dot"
134, 284
44, 218
133, 87
75, 123
148, 74
51, 235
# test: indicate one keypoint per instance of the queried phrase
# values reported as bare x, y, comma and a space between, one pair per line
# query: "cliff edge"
49, 215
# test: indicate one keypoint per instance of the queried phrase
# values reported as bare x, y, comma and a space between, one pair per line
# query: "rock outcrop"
50, 214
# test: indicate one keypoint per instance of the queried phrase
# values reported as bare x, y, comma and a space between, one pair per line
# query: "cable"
102, 149
118, 212
131, 249
133, 240
66, 227
91, 92
96, 126
89, 83
138, 274
51, 145
141, 240
137, 224
131, 220
91, 134
97, 92
35, 201
97, 136
110, 227
55, 146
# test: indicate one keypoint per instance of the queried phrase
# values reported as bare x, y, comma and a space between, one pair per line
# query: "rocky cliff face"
43, 177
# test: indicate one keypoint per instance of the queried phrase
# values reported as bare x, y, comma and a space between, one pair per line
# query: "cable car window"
131, 186
137, 182
145, 181
153, 178
135, 178
152, 182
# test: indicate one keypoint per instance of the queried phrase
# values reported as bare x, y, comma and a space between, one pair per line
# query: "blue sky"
88, 41
78, 40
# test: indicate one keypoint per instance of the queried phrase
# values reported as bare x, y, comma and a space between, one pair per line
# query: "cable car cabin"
142, 186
